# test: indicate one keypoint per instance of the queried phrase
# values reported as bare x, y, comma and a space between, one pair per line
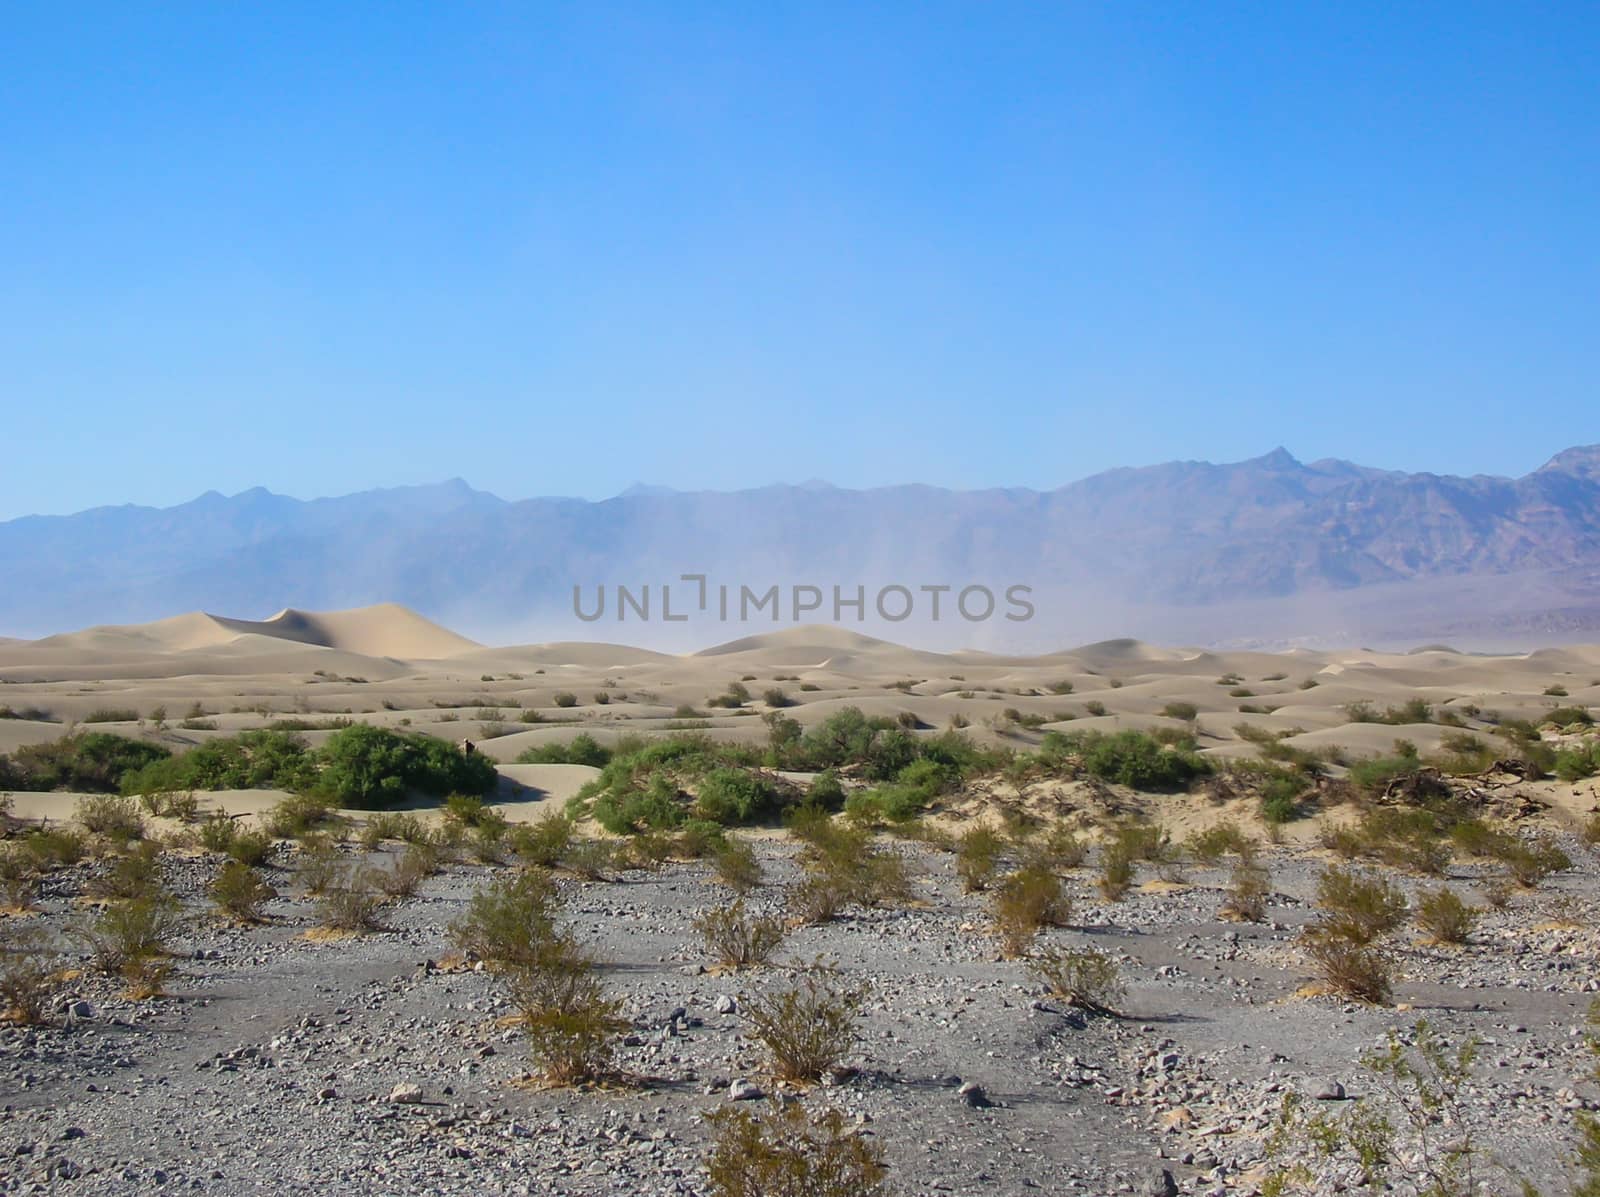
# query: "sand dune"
390, 666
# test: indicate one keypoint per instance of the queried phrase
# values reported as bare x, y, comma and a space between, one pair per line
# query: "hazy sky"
558, 249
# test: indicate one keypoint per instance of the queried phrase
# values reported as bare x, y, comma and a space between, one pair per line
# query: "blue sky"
557, 249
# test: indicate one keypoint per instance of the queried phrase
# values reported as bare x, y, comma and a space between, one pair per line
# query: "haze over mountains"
1268, 551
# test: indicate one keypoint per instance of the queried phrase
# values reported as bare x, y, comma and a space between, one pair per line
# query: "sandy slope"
389, 666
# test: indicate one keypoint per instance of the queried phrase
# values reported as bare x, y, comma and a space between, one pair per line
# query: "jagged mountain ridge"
1182, 534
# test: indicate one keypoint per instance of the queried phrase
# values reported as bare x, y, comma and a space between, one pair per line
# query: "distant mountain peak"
1582, 461
647, 490
1279, 459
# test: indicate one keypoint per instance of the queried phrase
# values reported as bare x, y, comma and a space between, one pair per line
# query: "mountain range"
1268, 552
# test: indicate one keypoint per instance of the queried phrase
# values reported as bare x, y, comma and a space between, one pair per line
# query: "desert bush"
977, 857
590, 859
48, 848
87, 762
137, 874
488, 839
698, 839
409, 870
217, 832
1186, 712
318, 866
1343, 841
1444, 916
785, 1153
1023, 903
509, 920
1135, 759
807, 1026
582, 749
813, 900
391, 825
826, 792
1058, 848
107, 815
240, 892
856, 869
776, 698
565, 700
27, 974
298, 815
571, 1022
466, 809
125, 934
736, 866
1116, 872
250, 847
737, 939
17, 880
736, 796
1351, 969
1530, 861
1082, 977
1219, 840
1358, 908
351, 902
1416, 1131
545, 842
369, 768
1248, 888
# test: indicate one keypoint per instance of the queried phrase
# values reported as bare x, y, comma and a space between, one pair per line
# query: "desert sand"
279, 1060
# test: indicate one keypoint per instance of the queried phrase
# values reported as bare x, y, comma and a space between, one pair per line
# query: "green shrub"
130, 877
217, 832
1023, 903
1084, 978
124, 934
367, 767
571, 1022
1444, 916
545, 842
1186, 712
250, 847
807, 1027
735, 938
1248, 889
351, 902
582, 749
87, 762
786, 1153
1576, 764
1349, 968
735, 796
509, 921
565, 700
977, 857
109, 816
736, 866
252, 760
826, 792
240, 892
27, 973
1358, 908
1136, 759
298, 815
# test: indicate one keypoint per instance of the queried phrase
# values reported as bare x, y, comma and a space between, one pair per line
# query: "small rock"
1329, 1091
743, 1090
726, 1004
405, 1094
1159, 1182
971, 1093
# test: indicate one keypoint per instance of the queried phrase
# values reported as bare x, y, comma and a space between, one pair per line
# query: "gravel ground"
269, 1066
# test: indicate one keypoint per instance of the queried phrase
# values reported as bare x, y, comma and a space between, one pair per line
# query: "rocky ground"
278, 1063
